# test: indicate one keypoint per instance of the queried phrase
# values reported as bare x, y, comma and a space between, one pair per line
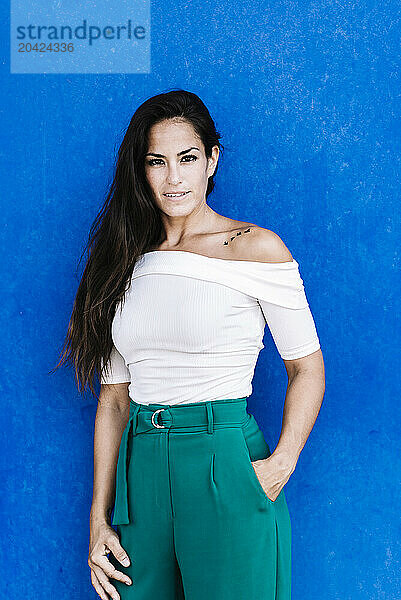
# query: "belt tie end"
121, 513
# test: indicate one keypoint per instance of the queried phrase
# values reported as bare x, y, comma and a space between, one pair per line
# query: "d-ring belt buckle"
154, 423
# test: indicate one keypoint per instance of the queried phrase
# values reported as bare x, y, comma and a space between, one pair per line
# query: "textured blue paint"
307, 96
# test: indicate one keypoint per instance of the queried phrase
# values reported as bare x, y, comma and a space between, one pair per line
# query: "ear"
211, 168
212, 160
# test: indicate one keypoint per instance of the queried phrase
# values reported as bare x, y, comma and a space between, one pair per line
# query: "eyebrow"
178, 154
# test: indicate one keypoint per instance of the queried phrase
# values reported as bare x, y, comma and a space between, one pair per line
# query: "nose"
173, 175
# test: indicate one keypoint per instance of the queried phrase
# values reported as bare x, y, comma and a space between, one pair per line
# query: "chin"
178, 210
180, 207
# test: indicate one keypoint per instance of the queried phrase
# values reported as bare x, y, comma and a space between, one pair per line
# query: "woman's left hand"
273, 473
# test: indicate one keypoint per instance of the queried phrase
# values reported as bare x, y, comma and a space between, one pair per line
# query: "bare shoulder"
258, 244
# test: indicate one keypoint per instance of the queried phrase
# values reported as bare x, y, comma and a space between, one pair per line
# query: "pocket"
255, 448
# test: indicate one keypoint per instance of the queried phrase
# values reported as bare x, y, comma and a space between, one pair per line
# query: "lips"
175, 195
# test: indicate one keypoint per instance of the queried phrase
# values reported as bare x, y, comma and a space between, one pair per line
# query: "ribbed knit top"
190, 327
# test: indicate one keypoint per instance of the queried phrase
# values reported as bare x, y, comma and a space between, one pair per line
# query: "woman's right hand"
103, 540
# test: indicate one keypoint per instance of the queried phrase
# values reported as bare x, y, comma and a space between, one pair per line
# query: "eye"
155, 161
190, 156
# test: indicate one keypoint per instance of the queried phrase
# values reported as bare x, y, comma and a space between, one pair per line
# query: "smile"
176, 195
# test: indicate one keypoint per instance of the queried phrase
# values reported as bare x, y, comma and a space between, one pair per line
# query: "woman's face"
176, 162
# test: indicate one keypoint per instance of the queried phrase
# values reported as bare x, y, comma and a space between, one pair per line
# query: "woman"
171, 312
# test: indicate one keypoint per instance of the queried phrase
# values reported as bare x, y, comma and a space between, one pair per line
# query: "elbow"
115, 396
311, 366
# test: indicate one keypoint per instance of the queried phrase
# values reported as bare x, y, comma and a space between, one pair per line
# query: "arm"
306, 386
296, 339
306, 377
111, 418
304, 396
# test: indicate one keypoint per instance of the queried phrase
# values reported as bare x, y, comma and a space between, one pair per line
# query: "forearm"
109, 426
303, 400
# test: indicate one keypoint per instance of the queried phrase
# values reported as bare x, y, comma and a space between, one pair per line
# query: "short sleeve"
116, 370
293, 330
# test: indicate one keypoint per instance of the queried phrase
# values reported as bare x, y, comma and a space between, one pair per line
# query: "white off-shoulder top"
190, 327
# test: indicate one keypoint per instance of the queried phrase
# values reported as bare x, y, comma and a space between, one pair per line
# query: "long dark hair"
128, 224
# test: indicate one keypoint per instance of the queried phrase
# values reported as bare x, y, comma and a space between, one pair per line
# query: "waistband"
158, 418
198, 415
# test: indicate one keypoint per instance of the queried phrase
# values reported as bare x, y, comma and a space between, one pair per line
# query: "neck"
181, 230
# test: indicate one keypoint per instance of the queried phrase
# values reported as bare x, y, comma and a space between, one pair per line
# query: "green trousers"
190, 510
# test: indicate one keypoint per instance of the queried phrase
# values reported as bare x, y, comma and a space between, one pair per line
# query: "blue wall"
307, 97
